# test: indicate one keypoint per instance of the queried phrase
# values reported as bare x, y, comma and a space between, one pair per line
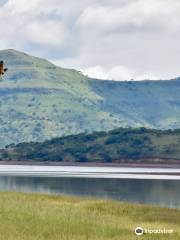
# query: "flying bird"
2, 69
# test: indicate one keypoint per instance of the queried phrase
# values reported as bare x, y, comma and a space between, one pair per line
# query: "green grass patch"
40, 216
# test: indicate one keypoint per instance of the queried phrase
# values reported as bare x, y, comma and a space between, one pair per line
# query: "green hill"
40, 101
119, 145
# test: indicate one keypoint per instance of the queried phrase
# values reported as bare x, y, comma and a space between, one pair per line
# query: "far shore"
94, 164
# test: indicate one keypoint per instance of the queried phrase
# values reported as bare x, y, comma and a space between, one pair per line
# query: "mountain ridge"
39, 101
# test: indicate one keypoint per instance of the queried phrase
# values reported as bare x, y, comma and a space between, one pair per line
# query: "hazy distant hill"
39, 101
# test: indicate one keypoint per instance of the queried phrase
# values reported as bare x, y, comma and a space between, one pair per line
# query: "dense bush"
116, 145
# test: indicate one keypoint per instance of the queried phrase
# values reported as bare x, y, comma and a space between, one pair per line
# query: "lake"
130, 186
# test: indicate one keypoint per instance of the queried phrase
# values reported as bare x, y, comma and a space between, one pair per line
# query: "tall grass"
41, 217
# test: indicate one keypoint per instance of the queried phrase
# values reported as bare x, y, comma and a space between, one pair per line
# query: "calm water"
160, 192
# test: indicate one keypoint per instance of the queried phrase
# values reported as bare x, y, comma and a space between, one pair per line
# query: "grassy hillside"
129, 145
39, 101
41, 217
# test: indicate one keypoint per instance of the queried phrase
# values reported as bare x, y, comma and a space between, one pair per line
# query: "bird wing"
1, 67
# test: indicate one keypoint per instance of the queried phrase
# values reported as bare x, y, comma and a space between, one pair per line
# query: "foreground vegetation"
120, 145
41, 217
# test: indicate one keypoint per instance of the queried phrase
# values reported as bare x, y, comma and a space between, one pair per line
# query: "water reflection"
160, 192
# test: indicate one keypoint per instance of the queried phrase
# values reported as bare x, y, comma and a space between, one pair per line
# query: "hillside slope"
119, 145
39, 101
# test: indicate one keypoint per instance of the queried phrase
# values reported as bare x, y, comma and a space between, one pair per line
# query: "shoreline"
90, 172
93, 164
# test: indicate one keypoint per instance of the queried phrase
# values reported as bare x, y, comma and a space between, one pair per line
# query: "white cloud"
96, 72
149, 14
147, 76
117, 39
117, 73
29, 25
120, 73
45, 32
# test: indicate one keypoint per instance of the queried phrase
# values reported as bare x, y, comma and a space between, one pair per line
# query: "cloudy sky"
110, 39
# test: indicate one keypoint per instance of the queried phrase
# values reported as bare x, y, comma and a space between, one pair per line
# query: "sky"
105, 39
